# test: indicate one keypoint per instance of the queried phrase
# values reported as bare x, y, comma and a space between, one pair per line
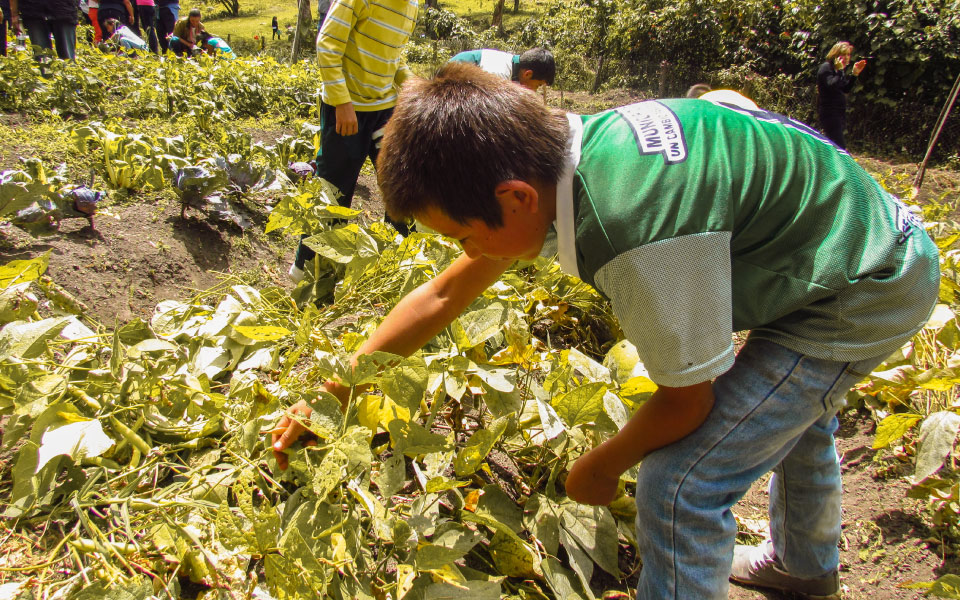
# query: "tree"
231, 6
304, 20
497, 20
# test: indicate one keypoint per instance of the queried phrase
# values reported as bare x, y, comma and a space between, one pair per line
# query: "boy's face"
526, 80
520, 237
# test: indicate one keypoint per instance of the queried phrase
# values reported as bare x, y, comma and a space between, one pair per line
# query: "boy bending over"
695, 220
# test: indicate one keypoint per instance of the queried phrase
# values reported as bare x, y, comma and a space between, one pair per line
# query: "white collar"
566, 234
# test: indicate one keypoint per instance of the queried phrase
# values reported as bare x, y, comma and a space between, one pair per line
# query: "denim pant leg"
765, 405
805, 495
65, 39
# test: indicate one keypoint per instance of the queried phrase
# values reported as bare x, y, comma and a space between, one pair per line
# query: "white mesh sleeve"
674, 302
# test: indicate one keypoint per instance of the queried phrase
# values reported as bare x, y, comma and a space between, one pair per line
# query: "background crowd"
118, 25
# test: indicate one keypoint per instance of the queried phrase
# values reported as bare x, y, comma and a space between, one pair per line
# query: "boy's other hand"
346, 119
287, 431
859, 66
588, 483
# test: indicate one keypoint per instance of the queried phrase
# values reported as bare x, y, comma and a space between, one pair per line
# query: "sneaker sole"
753, 584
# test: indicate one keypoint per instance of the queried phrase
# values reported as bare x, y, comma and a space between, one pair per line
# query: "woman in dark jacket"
833, 84
45, 17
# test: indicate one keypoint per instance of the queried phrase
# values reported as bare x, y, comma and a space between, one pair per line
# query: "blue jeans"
775, 410
64, 35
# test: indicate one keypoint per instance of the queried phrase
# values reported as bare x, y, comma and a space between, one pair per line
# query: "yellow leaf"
893, 428
405, 576
374, 411
262, 333
339, 548
638, 385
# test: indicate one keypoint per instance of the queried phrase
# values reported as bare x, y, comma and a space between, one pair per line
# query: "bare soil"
886, 543
142, 252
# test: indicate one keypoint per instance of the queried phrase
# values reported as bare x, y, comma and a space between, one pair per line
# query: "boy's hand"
290, 428
859, 66
287, 431
588, 482
346, 119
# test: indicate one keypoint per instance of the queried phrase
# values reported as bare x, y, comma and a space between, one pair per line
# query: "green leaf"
542, 519
17, 303
623, 362
23, 339
595, 530
391, 476
442, 484
937, 436
580, 405
512, 558
262, 333
562, 581
497, 505
78, 440
475, 327
413, 439
894, 427
139, 589
405, 383
432, 556
18, 271
579, 561
587, 366
478, 446
946, 586
474, 590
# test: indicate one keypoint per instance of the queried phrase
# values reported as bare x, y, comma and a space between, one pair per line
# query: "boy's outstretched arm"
669, 415
414, 321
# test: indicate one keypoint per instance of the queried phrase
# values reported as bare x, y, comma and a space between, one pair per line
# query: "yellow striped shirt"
359, 51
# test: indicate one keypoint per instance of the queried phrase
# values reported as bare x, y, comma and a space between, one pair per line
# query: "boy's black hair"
452, 139
540, 61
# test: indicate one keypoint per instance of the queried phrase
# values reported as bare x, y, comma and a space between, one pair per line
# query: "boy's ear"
517, 194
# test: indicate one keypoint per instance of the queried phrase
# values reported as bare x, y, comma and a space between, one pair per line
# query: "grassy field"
255, 16
254, 19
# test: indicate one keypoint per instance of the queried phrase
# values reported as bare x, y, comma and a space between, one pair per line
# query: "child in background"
117, 33
359, 50
695, 220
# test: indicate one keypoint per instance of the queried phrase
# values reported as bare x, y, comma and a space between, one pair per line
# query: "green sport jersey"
698, 219
497, 62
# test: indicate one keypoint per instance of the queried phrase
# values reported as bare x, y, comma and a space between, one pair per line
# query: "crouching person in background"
120, 38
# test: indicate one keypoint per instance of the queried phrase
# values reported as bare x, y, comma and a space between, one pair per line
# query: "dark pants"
276, 34
341, 157
166, 19
3, 36
179, 48
147, 17
64, 35
833, 126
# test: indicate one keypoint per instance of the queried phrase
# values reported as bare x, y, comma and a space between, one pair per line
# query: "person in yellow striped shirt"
359, 51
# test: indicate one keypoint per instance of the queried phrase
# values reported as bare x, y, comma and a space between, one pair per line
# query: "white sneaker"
758, 566
295, 273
